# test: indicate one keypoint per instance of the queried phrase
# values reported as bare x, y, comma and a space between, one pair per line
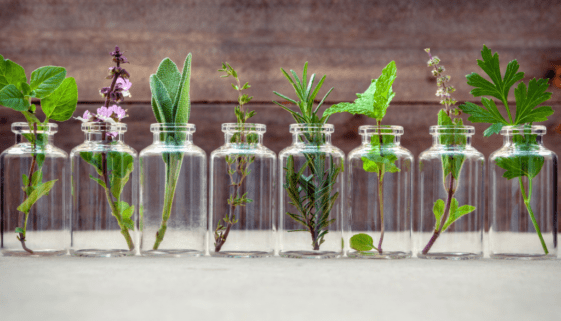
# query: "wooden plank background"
348, 40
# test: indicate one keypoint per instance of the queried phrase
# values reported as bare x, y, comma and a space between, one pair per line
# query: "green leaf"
158, 113
11, 97
369, 165
490, 114
19, 230
493, 129
127, 214
99, 181
162, 98
24, 88
182, 104
119, 165
37, 177
41, 190
362, 242
25, 179
438, 210
169, 75
457, 212
528, 164
61, 104
11, 73
94, 160
527, 99
45, 80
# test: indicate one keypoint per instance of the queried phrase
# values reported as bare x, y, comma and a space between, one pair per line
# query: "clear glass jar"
523, 196
172, 193
34, 169
104, 193
310, 214
379, 191
451, 199
242, 194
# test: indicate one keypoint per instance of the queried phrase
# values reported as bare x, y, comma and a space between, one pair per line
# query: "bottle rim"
365, 130
23, 127
247, 127
172, 128
99, 127
523, 129
452, 129
301, 128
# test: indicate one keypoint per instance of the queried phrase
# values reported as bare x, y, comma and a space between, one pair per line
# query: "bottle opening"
303, 128
524, 130
451, 129
380, 130
99, 127
23, 128
248, 128
172, 128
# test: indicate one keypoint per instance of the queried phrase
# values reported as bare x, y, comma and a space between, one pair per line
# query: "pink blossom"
123, 84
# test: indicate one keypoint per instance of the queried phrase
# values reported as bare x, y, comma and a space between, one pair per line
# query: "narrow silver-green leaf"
169, 75
162, 98
183, 100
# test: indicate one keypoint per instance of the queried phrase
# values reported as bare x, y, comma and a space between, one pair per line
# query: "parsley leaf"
528, 165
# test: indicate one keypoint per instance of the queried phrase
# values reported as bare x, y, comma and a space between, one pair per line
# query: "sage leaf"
45, 80
61, 104
41, 190
182, 104
170, 77
162, 98
11, 97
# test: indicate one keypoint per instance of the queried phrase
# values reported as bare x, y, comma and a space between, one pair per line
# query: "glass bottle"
451, 199
172, 193
35, 221
523, 196
379, 193
310, 217
104, 193
242, 194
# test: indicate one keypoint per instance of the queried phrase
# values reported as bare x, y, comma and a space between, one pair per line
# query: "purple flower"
112, 134
118, 112
123, 84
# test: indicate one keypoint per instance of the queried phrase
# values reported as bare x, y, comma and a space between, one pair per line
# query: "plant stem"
171, 183
444, 217
527, 202
29, 184
381, 201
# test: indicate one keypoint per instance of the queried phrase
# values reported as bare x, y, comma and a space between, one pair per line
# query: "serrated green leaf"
182, 104
528, 165
438, 210
94, 160
456, 212
11, 97
162, 98
490, 114
61, 104
40, 191
493, 129
369, 165
45, 80
527, 99
169, 75
99, 181
362, 242
11, 73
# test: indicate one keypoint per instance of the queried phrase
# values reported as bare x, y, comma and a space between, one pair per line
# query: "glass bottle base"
387, 255
522, 256
241, 254
450, 256
36, 253
101, 253
310, 254
171, 253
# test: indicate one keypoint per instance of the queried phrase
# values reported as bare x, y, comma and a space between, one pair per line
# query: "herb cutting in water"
58, 97
374, 103
528, 110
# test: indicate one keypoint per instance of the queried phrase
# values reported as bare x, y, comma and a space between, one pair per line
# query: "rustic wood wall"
348, 40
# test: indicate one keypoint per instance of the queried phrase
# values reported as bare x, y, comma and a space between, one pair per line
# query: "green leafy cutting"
374, 103
311, 195
528, 110
171, 104
58, 99
238, 165
362, 243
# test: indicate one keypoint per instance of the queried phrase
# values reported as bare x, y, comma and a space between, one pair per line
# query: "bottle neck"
374, 139
173, 138
243, 138
311, 138
519, 140
41, 139
104, 137
451, 140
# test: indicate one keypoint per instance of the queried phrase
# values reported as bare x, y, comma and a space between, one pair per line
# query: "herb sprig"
58, 97
238, 165
374, 103
527, 163
310, 195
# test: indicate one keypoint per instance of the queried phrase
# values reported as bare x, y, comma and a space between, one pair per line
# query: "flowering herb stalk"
528, 110
171, 104
58, 99
446, 212
113, 168
310, 195
374, 103
238, 165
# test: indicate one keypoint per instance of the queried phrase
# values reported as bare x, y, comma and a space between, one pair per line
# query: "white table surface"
143, 288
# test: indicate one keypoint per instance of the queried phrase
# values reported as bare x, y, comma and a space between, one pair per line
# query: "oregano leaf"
45, 80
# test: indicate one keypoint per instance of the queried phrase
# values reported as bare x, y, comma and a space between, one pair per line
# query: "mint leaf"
61, 104
373, 162
170, 76
45, 80
99, 181
362, 242
119, 165
41, 190
438, 210
37, 177
457, 212
182, 102
162, 98
94, 160
374, 101
11, 97
11, 73
527, 99
528, 165
25, 180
